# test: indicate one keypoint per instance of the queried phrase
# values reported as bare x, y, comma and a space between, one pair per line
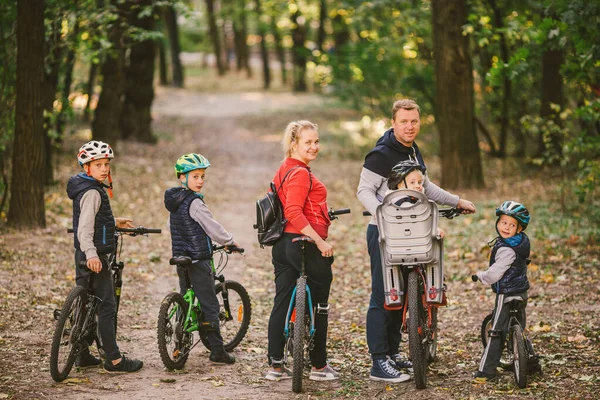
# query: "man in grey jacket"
397, 144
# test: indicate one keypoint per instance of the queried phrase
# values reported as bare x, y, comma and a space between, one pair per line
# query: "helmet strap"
185, 184
405, 185
110, 185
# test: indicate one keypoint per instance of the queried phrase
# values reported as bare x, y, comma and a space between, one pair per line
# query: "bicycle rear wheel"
299, 334
173, 342
417, 326
520, 356
433, 336
66, 341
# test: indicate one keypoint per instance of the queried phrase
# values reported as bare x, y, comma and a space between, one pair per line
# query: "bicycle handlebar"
332, 213
139, 230
444, 212
229, 249
474, 278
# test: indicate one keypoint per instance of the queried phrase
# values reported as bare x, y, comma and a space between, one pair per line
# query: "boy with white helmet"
193, 229
94, 236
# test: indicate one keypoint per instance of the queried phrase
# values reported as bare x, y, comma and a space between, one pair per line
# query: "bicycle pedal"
323, 308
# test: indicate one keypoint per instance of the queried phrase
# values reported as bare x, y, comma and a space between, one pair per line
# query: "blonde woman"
304, 201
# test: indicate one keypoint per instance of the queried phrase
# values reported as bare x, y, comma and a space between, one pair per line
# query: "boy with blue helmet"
507, 274
94, 240
193, 229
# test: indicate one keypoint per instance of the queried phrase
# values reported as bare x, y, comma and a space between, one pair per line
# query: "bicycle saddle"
303, 239
180, 260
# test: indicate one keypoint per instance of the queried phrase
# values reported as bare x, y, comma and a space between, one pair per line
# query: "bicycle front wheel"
519, 356
66, 341
299, 333
173, 342
417, 326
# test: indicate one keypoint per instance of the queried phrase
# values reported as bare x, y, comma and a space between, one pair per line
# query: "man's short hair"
405, 104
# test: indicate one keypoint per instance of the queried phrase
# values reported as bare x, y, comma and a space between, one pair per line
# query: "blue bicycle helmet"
516, 210
190, 162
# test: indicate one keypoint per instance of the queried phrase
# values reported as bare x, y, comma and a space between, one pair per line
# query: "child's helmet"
94, 150
516, 210
190, 162
401, 170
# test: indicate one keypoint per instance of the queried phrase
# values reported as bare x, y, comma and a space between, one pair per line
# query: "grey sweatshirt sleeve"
89, 205
505, 256
439, 195
371, 190
202, 215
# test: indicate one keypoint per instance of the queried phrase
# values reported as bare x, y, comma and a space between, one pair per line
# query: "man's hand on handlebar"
466, 206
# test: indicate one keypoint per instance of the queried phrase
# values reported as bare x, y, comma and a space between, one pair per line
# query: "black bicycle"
515, 353
77, 322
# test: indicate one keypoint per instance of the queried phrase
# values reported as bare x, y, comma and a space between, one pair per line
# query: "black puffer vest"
514, 279
104, 223
187, 236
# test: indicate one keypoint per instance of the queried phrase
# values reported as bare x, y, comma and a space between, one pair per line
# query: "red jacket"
301, 206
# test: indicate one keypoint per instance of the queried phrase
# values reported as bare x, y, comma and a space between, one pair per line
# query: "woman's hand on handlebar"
466, 206
94, 264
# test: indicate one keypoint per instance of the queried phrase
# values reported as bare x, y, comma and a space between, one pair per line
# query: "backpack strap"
286, 175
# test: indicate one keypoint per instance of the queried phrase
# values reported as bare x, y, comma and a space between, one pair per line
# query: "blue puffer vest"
104, 224
187, 236
514, 279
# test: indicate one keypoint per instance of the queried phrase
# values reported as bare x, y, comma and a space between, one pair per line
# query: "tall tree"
299, 50
136, 119
262, 32
105, 126
322, 19
170, 16
214, 36
455, 108
26, 209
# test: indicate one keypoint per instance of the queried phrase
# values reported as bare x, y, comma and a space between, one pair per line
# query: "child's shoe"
221, 357
382, 370
325, 374
86, 360
125, 365
400, 363
533, 365
487, 377
278, 374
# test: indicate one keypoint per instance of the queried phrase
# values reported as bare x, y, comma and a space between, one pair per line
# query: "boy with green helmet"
193, 229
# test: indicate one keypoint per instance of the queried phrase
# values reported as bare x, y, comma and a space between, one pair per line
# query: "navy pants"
102, 287
287, 259
383, 326
203, 283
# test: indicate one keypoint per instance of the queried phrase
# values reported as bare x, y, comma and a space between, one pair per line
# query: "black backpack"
270, 221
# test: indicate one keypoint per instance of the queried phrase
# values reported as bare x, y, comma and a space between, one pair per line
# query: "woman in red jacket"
304, 200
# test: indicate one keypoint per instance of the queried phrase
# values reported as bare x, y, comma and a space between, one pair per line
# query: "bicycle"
181, 315
301, 333
412, 264
76, 322
515, 351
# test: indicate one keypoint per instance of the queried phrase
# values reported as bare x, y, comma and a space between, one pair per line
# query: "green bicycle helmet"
190, 162
516, 210
401, 170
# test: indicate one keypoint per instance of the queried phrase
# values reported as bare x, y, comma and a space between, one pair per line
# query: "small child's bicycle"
181, 315
515, 353
77, 322
301, 333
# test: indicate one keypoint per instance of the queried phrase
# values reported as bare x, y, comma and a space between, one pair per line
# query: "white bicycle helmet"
94, 150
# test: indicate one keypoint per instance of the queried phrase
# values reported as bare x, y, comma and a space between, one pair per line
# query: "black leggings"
287, 263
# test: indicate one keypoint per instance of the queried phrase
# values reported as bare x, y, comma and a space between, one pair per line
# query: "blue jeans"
383, 326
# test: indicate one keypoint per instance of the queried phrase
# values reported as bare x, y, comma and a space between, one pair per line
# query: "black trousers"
203, 283
287, 263
102, 286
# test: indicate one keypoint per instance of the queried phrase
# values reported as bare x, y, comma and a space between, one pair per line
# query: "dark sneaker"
382, 370
533, 365
222, 357
401, 364
86, 360
126, 365
485, 377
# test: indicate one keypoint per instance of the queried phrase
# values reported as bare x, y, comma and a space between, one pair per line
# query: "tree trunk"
504, 117
322, 19
262, 30
162, 63
136, 119
552, 93
105, 126
299, 51
65, 104
279, 50
455, 108
244, 38
214, 35
26, 209
173, 33
89, 89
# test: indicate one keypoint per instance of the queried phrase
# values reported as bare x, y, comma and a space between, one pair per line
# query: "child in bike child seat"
408, 174
507, 274
193, 229
94, 235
